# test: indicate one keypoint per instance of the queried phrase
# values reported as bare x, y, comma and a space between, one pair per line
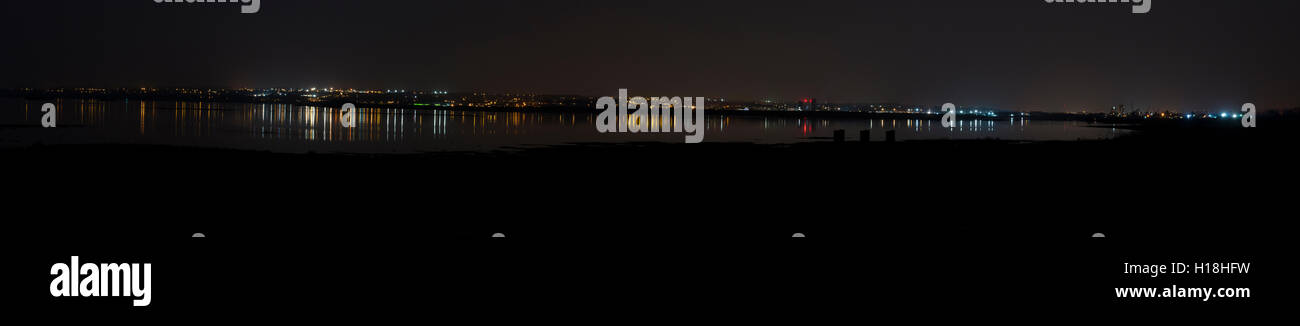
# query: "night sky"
1014, 54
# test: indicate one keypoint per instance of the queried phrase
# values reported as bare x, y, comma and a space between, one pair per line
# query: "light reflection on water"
295, 128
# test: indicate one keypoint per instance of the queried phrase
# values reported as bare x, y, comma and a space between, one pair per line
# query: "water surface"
297, 128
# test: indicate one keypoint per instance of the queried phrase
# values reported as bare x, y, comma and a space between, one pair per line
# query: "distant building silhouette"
808, 105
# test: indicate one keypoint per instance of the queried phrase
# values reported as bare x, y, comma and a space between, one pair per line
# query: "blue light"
1225, 115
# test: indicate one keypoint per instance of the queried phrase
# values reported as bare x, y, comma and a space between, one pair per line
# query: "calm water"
294, 128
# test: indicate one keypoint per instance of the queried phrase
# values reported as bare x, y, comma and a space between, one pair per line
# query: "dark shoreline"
1170, 137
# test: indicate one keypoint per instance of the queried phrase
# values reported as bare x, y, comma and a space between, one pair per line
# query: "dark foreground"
986, 229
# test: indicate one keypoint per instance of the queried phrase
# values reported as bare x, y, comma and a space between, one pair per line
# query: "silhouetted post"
865, 135
839, 136
889, 136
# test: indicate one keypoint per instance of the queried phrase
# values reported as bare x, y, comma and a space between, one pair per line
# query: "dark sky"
1018, 54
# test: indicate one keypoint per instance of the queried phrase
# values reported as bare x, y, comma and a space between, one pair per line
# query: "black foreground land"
925, 223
